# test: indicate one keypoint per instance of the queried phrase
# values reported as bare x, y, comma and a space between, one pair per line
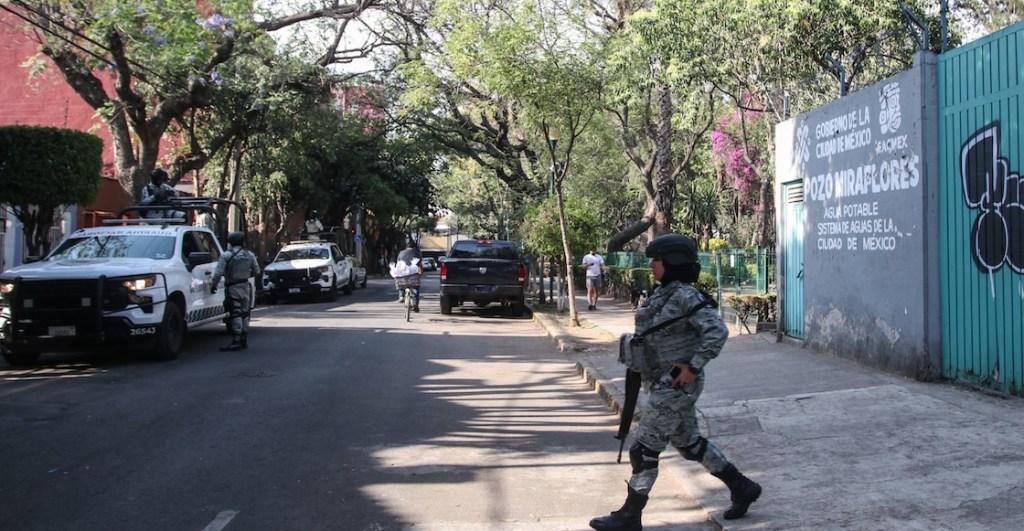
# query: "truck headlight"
141, 283
133, 286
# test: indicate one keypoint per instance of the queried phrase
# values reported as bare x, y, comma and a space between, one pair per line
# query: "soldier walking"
681, 333
236, 266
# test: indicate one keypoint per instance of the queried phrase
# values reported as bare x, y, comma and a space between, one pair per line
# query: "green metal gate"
792, 266
981, 212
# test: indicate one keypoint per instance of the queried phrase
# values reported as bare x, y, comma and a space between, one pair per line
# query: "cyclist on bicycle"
408, 255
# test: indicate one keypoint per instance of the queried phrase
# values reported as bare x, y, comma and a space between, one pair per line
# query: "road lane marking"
222, 521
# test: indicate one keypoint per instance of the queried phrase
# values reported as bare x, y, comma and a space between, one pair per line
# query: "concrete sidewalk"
835, 445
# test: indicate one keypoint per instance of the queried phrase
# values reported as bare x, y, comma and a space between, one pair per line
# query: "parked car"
308, 267
358, 273
483, 272
429, 264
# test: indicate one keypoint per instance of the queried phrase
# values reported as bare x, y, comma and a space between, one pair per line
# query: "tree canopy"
655, 115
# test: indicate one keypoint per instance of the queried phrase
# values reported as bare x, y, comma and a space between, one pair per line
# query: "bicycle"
407, 283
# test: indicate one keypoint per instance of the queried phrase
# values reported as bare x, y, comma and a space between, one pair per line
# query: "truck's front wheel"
172, 333
332, 295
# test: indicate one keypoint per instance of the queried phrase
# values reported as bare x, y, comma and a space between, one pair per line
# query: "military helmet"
236, 238
673, 249
158, 175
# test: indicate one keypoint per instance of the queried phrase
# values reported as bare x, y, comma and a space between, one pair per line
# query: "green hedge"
765, 307
47, 166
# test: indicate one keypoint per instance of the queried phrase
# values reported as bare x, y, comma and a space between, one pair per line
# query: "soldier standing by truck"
236, 266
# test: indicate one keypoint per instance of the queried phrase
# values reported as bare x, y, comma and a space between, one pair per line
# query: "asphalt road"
340, 416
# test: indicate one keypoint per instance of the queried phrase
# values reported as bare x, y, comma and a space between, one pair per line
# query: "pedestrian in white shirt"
595, 268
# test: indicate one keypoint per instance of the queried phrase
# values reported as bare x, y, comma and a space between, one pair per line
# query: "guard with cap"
682, 331
236, 266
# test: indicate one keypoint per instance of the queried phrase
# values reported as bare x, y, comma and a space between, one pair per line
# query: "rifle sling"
663, 324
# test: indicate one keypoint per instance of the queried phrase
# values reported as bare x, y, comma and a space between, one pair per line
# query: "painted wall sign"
854, 163
869, 211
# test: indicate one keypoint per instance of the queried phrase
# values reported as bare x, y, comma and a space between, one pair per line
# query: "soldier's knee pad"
695, 452
642, 458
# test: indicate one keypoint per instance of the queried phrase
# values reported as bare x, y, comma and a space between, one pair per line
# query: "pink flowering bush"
739, 163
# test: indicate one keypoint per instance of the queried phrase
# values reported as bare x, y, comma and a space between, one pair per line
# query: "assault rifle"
628, 407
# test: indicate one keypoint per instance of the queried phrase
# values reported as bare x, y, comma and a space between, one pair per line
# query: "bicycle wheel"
408, 305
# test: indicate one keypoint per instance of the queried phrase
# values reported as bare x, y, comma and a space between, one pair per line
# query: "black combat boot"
625, 519
742, 491
244, 340
236, 344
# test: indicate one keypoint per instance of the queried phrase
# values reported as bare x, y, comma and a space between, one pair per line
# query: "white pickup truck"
124, 286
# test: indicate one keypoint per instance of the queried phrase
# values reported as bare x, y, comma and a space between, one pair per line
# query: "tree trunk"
574, 319
626, 235
666, 189
36, 222
762, 214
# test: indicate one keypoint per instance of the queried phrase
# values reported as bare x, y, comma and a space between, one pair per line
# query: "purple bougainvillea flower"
215, 20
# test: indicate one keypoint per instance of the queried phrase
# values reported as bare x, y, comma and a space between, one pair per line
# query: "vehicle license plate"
62, 331
293, 290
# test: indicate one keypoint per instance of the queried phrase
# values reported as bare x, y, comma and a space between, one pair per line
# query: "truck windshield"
115, 246
501, 251
303, 253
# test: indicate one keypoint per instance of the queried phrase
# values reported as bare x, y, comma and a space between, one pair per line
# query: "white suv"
308, 267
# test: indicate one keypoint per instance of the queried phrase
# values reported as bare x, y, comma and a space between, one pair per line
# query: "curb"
610, 393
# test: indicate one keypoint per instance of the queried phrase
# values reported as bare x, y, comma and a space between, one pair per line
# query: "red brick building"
46, 100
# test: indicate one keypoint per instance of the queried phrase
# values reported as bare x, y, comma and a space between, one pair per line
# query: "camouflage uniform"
236, 266
679, 325
670, 413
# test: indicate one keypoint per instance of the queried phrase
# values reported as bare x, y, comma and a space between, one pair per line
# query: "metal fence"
736, 271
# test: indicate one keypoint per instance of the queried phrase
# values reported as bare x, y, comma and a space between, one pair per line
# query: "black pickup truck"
483, 272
